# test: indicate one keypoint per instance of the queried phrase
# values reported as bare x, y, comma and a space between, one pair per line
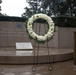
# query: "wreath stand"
36, 55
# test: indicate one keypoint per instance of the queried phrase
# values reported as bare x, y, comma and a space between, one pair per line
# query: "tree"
0, 7
51, 7
0, 1
63, 7
36, 6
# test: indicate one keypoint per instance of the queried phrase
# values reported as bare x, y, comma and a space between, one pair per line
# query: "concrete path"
59, 68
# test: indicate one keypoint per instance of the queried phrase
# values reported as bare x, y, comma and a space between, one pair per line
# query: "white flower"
30, 21
33, 35
41, 38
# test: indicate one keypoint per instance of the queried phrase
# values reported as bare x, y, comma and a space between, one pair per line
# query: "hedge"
59, 21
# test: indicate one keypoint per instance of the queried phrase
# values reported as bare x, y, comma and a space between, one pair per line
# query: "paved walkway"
59, 68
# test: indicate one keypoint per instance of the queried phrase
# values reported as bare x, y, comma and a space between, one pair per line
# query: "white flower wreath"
40, 38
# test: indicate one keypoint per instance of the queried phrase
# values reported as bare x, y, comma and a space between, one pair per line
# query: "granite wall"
12, 32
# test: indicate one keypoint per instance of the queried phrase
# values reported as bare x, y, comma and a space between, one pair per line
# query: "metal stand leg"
50, 67
33, 69
36, 59
34, 66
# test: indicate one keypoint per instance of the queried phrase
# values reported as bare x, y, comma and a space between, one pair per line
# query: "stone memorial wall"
12, 32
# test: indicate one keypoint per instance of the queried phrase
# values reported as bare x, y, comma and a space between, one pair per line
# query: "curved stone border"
55, 56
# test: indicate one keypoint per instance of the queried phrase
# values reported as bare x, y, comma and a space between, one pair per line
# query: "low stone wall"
12, 32
66, 37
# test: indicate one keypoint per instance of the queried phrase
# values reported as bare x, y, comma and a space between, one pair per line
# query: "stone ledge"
26, 57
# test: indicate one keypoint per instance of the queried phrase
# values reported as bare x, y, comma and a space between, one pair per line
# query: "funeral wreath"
34, 35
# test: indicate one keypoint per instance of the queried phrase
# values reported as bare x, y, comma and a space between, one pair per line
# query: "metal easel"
36, 54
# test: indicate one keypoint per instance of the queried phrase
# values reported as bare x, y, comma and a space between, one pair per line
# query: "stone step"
8, 56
